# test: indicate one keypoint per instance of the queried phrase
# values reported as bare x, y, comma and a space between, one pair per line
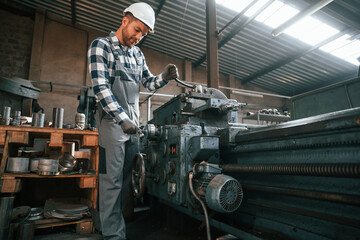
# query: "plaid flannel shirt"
102, 72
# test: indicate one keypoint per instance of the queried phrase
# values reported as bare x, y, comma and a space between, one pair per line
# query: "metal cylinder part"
48, 166
17, 164
303, 169
38, 119
45, 161
6, 116
6, 206
58, 115
17, 116
34, 119
41, 120
34, 163
26, 231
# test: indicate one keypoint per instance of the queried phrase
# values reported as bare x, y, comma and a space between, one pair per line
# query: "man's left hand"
170, 72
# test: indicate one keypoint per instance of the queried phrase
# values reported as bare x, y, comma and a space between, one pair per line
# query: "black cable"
148, 97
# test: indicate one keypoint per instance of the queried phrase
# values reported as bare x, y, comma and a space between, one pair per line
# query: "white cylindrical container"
80, 120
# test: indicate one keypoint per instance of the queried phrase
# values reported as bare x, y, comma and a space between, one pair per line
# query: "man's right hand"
129, 127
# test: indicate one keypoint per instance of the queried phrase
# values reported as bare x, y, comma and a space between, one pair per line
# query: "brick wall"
16, 28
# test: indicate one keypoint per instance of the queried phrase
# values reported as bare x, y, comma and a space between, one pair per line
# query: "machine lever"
184, 84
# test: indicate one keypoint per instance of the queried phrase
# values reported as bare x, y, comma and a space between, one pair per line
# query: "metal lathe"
293, 180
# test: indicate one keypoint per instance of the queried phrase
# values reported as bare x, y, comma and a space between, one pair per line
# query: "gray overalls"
117, 149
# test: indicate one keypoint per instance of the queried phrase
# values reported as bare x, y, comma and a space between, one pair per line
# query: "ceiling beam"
292, 57
235, 31
237, 16
337, 79
211, 45
73, 12
340, 13
158, 10
244, 25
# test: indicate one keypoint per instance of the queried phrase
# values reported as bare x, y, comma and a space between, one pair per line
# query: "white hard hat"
144, 13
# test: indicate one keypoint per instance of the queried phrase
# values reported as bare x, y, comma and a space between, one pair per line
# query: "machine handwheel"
138, 175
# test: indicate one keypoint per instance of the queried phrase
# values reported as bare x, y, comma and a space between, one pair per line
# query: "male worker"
117, 67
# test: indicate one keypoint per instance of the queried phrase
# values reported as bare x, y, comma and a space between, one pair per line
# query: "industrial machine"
293, 180
87, 105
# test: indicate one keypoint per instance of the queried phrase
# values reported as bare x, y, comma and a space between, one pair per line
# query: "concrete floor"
157, 224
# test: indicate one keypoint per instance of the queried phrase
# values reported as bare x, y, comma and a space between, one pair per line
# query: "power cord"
191, 175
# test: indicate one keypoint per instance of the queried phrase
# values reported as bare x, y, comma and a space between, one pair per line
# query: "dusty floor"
155, 224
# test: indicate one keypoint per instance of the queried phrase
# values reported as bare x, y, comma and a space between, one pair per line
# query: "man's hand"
170, 72
129, 127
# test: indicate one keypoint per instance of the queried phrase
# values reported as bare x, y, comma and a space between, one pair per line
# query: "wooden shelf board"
47, 130
54, 222
32, 175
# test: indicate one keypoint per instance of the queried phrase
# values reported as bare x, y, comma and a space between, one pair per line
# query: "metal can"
6, 116
58, 115
17, 116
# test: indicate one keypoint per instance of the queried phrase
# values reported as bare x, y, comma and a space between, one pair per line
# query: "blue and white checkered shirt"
102, 72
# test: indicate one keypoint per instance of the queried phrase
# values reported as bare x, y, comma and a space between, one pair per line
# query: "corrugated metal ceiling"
279, 63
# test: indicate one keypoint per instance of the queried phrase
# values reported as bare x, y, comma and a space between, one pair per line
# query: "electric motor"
220, 192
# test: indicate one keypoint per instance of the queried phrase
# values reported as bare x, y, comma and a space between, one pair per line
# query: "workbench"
33, 189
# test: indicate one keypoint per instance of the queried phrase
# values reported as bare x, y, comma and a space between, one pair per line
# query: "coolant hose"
191, 175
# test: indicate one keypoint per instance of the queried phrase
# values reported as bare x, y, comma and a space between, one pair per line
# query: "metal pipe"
149, 109
304, 169
247, 94
157, 94
244, 90
60, 84
306, 12
318, 195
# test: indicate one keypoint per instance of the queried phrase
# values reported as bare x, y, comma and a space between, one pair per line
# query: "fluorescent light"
308, 30
247, 94
298, 17
235, 5
280, 16
353, 59
337, 43
348, 50
269, 11
255, 8
311, 31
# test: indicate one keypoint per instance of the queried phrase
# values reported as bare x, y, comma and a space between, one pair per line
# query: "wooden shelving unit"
13, 137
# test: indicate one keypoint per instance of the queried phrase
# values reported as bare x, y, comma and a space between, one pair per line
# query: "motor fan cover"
221, 193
